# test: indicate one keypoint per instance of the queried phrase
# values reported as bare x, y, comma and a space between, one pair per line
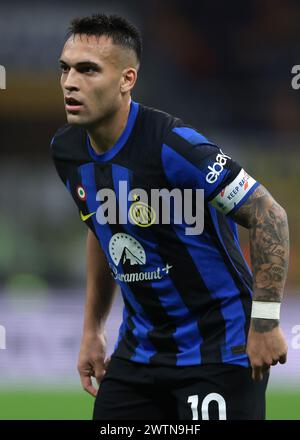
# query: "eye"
88, 69
64, 68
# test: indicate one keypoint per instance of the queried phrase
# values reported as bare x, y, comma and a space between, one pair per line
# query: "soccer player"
199, 330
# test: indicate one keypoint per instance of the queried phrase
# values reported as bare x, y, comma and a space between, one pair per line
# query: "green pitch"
79, 405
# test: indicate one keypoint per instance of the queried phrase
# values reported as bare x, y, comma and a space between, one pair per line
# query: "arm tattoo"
269, 248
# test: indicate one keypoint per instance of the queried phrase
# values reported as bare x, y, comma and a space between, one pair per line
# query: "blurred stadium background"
224, 67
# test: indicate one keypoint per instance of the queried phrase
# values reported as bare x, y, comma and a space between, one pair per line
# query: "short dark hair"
117, 28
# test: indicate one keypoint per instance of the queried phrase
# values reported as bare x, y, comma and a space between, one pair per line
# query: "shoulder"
171, 130
184, 138
156, 122
69, 143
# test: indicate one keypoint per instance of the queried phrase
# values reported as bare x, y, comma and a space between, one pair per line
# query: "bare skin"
269, 247
100, 76
100, 293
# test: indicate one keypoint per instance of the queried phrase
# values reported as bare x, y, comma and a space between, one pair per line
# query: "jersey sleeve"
190, 160
61, 166
57, 163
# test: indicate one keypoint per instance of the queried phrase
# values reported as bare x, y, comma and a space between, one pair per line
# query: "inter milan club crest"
141, 214
81, 193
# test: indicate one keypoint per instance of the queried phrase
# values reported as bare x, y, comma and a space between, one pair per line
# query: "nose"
71, 81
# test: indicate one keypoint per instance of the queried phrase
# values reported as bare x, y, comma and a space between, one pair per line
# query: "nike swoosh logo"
84, 218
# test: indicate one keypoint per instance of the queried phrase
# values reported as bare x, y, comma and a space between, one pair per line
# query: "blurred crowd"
218, 64
222, 66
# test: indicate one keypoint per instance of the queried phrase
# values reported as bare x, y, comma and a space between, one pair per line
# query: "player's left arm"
269, 249
191, 161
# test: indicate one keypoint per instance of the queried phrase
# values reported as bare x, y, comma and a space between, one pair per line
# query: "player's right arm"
100, 292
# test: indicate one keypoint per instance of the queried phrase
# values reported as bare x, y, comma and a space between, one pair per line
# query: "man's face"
92, 70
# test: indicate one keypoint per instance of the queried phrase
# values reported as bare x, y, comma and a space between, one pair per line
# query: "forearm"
99, 300
269, 249
100, 290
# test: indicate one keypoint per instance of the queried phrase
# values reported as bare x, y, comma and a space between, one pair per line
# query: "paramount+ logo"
2, 78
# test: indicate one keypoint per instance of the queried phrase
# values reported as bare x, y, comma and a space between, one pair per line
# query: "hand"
91, 360
265, 347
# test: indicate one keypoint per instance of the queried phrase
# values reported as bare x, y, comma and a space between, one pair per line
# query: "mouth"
72, 104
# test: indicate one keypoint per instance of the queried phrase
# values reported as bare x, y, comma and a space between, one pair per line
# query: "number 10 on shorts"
212, 397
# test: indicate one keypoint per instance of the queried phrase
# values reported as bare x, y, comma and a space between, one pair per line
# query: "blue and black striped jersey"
187, 298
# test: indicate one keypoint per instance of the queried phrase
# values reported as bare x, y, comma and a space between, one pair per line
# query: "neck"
106, 133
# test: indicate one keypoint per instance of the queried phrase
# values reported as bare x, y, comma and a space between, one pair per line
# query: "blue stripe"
220, 284
188, 339
104, 235
181, 173
109, 154
216, 225
191, 135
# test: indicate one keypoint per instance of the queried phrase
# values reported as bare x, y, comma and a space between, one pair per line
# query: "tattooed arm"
269, 249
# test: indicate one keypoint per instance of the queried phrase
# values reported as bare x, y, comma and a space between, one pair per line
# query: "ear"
128, 80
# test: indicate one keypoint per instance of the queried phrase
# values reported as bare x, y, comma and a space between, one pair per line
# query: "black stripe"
72, 173
147, 297
194, 154
238, 268
128, 342
245, 296
229, 241
194, 293
192, 289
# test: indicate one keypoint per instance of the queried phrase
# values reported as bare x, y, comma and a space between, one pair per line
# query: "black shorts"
134, 391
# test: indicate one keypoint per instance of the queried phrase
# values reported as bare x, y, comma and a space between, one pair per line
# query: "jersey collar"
109, 154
